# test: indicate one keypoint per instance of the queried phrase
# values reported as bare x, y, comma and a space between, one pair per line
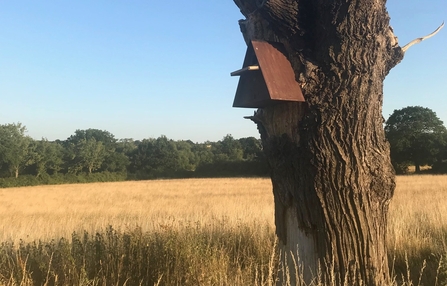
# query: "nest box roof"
266, 77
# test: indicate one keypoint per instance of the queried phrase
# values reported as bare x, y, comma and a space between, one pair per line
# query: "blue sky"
142, 69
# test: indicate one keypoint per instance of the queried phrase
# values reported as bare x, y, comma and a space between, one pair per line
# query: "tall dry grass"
417, 227
227, 221
176, 232
47, 212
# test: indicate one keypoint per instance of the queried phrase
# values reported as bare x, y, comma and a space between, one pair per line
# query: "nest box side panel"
277, 71
251, 91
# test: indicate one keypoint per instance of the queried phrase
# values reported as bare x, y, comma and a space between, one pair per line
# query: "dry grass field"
417, 220
47, 212
418, 213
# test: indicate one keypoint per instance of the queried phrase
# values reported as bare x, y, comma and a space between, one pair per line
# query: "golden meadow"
189, 232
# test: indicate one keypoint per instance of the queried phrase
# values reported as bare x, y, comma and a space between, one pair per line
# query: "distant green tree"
440, 166
47, 156
416, 136
89, 154
112, 159
155, 157
125, 146
118, 160
107, 138
252, 148
115, 162
187, 159
228, 149
203, 153
14, 147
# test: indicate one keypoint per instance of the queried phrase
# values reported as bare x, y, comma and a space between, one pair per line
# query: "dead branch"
418, 40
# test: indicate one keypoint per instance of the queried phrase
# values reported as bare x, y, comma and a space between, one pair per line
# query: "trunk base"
298, 256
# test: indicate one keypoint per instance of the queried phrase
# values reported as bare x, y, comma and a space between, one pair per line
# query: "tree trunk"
330, 165
417, 168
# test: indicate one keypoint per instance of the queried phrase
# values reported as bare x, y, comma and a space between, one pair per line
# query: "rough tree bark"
330, 165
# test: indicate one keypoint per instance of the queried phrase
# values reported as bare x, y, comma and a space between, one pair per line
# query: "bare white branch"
418, 40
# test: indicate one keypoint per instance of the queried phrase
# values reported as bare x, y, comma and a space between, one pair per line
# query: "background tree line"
96, 155
416, 135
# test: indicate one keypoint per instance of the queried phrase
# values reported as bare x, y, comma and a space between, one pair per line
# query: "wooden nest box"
267, 77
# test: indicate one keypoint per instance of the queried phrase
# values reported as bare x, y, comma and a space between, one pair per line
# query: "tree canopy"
93, 151
416, 135
14, 147
47, 156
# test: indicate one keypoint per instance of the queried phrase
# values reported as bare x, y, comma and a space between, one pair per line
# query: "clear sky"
142, 69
